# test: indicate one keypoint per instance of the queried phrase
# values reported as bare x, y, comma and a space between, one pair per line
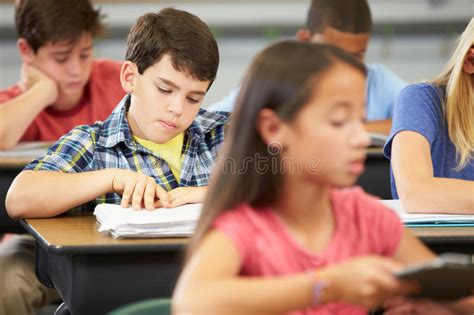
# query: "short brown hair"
351, 16
42, 21
182, 35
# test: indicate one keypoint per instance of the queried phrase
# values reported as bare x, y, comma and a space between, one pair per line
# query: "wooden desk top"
15, 162
79, 233
445, 234
22, 154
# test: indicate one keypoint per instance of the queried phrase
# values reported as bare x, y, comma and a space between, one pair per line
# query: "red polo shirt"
101, 94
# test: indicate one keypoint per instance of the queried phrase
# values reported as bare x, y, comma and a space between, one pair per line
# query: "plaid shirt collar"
118, 130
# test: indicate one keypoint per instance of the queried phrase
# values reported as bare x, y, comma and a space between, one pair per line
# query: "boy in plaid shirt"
156, 148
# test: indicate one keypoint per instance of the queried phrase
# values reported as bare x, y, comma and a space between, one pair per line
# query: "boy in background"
60, 85
347, 24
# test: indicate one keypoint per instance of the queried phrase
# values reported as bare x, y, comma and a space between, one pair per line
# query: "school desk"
11, 164
9, 169
95, 273
376, 177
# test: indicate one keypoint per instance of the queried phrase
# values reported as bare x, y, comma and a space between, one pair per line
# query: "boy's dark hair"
42, 21
182, 35
350, 16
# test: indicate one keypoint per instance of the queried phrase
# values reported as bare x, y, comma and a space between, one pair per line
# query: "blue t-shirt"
383, 87
419, 109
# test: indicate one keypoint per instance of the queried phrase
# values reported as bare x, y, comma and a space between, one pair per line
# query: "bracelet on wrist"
317, 289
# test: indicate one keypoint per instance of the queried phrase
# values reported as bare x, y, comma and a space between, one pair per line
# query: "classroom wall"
412, 37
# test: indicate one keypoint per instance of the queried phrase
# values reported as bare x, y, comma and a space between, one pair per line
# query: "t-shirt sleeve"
232, 224
418, 110
379, 226
383, 89
393, 86
4, 97
9, 94
73, 153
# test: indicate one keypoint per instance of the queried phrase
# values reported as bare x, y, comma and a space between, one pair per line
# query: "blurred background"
412, 37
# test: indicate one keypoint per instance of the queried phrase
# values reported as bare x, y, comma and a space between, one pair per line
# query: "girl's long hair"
282, 78
458, 104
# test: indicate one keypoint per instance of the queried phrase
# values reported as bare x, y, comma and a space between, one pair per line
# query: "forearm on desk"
17, 114
445, 195
36, 194
244, 296
418, 188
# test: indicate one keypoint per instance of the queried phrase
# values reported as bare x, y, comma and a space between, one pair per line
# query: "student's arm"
412, 251
417, 187
36, 194
379, 126
40, 194
210, 283
17, 114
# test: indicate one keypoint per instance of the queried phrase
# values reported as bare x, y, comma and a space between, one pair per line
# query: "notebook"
162, 222
426, 219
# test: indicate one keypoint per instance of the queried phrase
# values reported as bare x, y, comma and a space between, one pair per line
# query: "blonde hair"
458, 107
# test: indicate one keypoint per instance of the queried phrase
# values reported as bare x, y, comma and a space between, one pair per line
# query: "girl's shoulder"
422, 94
358, 204
242, 217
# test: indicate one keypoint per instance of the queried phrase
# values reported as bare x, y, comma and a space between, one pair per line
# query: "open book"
425, 219
161, 222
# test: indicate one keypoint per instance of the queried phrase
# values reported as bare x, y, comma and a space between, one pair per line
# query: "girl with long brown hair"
280, 232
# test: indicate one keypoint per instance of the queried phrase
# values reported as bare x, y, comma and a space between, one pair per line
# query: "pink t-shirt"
101, 94
363, 227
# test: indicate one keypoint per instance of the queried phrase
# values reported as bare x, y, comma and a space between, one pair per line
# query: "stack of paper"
162, 222
426, 219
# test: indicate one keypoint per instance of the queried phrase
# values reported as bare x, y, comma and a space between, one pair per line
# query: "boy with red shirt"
60, 85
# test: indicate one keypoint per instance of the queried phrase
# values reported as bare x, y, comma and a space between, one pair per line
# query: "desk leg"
41, 266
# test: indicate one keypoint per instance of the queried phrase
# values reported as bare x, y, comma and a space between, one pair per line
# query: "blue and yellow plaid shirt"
110, 144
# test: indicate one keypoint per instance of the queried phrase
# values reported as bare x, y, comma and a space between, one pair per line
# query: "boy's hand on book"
139, 190
31, 76
183, 195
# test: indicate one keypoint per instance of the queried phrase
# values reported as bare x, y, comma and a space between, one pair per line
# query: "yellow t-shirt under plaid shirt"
169, 151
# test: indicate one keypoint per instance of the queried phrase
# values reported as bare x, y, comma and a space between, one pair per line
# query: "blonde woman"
431, 145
